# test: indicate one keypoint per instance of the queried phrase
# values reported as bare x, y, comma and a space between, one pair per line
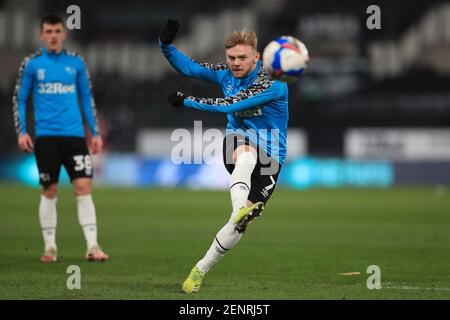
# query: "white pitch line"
414, 288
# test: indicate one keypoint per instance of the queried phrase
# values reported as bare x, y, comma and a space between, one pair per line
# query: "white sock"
87, 219
47, 218
240, 182
225, 239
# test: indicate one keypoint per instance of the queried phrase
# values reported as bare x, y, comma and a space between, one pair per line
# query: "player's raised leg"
87, 218
244, 158
47, 219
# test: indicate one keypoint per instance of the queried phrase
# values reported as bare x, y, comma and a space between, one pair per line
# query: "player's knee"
50, 191
83, 187
82, 190
242, 149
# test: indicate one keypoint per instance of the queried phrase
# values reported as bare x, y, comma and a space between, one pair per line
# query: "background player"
255, 142
55, 77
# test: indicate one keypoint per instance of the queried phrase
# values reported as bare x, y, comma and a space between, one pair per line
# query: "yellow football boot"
193, 281
246, 215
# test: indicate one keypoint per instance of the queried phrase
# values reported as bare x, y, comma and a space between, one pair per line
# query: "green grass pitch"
296, 250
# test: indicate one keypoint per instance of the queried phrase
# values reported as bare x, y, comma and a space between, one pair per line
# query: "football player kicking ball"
254, 147
56, 77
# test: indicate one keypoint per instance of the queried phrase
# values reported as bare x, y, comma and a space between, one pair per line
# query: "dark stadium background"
349, 83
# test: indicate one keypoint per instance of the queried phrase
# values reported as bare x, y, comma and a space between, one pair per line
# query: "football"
285, 58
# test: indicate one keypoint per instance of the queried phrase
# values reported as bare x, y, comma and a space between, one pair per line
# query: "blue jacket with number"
55, 81
256, 106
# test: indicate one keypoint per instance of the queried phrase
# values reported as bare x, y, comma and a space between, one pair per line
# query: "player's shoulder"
74, 56
281, 88
263, 79
281, 85
265, 82
32, 57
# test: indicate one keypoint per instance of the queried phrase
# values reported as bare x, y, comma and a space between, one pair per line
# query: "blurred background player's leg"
48, 161
87, 218
47, 219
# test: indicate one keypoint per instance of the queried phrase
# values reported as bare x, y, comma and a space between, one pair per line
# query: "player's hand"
176, 99
25, 142
170, 31
96, 145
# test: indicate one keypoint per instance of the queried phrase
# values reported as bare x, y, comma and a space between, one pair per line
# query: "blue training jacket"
55, 80
256, 106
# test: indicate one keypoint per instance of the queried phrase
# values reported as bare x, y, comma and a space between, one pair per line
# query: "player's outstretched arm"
252, 97
181, 62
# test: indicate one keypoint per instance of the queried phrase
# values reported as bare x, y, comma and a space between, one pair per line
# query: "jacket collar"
51, 53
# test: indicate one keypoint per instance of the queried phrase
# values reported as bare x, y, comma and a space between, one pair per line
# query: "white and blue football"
285, 58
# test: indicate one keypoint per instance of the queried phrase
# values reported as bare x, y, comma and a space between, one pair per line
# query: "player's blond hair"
241, 37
